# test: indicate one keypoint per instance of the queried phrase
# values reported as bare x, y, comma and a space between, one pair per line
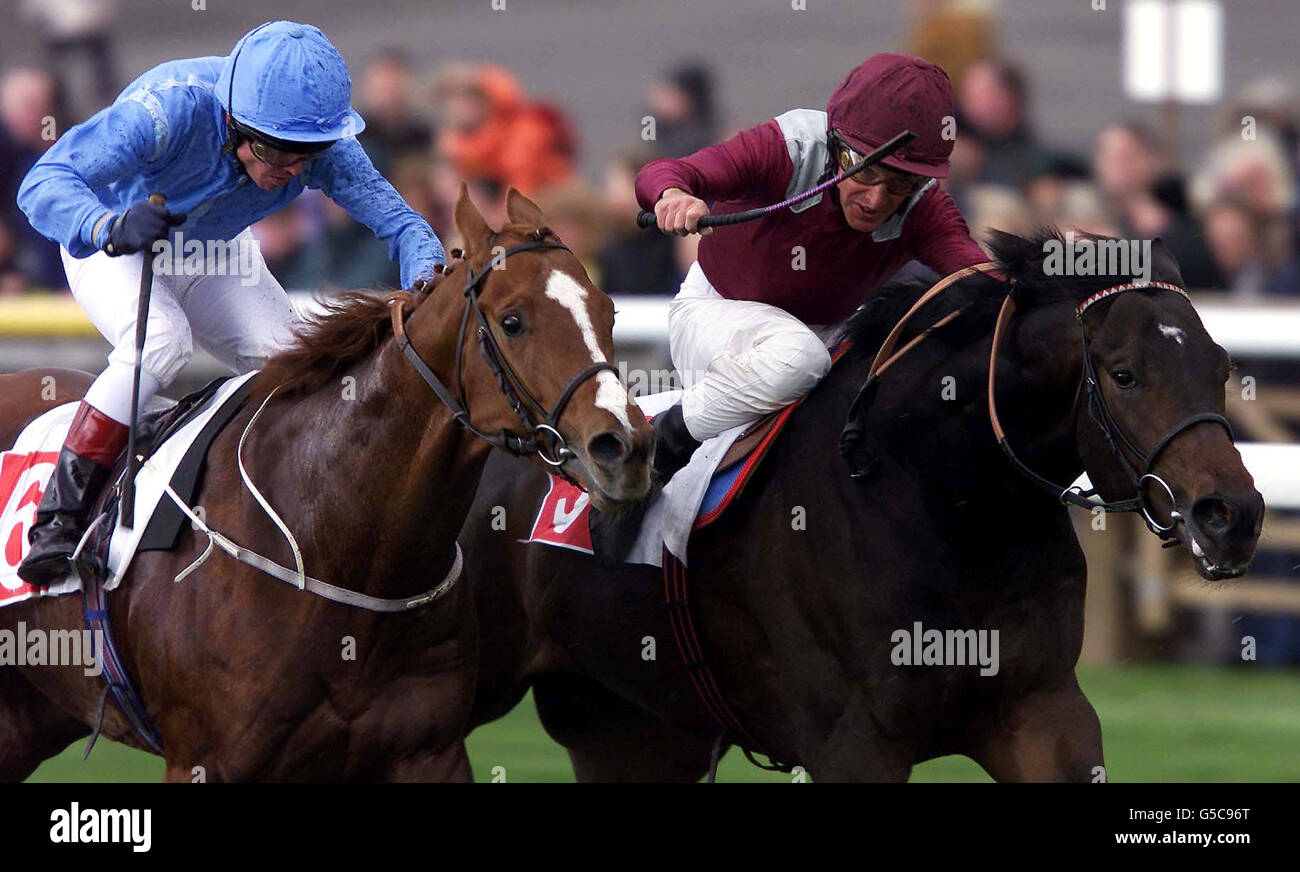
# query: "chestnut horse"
249, 678
800, 591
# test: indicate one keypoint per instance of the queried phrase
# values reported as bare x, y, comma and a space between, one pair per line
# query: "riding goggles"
896, 183
279, 153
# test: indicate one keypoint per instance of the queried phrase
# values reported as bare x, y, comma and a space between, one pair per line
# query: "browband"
1128, 286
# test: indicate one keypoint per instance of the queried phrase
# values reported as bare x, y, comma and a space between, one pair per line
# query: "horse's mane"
350, 328
979, 294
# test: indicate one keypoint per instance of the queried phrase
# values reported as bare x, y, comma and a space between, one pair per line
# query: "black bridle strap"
1177, 430
1065, 494
1115, 436
576, 382
854, 431
508, 381
1119, 440
426, 372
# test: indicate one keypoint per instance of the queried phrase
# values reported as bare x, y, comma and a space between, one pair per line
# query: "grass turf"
1159, 723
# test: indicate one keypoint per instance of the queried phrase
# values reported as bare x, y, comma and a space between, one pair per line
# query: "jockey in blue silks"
226, 141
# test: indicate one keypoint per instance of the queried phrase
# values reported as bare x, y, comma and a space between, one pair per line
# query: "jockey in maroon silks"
749, 328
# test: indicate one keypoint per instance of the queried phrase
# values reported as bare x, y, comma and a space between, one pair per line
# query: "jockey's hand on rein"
139, 227
679, 213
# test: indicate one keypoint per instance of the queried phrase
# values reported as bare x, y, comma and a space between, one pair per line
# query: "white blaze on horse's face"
610, 393
1174, 333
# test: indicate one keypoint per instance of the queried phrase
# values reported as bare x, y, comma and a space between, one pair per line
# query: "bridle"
541, 426
1136, 463
543, 437
1140, 473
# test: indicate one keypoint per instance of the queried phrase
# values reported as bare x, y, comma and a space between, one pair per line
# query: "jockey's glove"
139, 227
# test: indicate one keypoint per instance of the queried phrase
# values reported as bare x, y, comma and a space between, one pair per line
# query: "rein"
855, 431
1139, 468
297, 576
543, 436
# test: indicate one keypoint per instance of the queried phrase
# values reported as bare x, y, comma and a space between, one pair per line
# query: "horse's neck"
1038, 397
948, 443
372, 476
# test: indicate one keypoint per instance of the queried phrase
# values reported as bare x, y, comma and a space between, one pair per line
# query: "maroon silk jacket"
841, 266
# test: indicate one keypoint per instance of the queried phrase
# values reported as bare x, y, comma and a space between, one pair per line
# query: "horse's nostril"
1213, 515
608, 448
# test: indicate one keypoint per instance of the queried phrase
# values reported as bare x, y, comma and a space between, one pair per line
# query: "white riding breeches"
234, 308
739, 360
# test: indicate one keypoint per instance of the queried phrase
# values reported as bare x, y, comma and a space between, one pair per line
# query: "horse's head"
546, 359
1150, 403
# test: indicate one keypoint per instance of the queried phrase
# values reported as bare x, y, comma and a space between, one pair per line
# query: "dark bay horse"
249, 678
799, 621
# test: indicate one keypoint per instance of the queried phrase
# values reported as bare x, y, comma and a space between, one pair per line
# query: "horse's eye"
512, 324
1123, 378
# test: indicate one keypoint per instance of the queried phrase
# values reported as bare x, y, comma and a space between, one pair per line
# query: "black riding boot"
614, 533
70, 496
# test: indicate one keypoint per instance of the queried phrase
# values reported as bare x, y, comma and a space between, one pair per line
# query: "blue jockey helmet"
288, 82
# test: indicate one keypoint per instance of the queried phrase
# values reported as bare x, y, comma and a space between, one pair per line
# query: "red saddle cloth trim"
755, 456
677, 600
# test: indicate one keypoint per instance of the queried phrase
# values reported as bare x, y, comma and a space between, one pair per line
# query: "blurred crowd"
1229, 215
475, 123
426, 133
1231, 220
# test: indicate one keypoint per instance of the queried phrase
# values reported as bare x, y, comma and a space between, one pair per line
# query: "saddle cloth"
27, 466
695, 496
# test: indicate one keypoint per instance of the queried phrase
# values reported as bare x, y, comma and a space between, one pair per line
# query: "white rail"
1244, 330
1275, 467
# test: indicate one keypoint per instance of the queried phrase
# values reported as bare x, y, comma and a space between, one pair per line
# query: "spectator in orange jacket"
491, 131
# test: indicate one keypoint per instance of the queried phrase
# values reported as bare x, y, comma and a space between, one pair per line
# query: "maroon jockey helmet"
889, 93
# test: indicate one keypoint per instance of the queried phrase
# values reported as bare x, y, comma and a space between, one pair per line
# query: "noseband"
541, 426
1136, 463
1119, 441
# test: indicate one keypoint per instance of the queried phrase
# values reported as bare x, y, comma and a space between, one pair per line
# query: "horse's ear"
1164, 266
470, 222
521, 210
